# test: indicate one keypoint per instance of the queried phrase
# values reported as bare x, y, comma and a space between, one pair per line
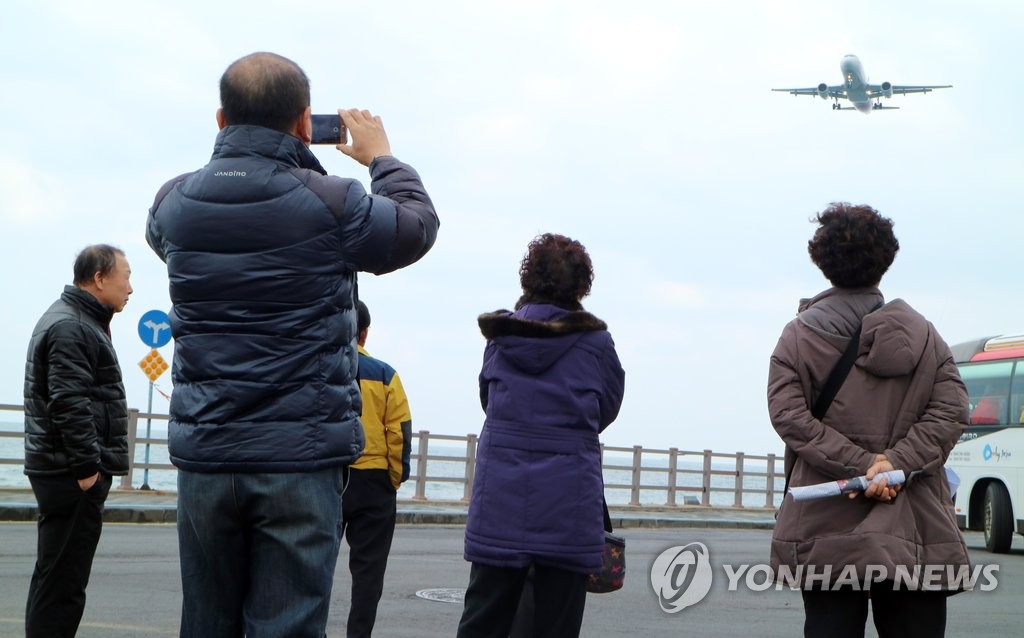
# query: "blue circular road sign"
155, 328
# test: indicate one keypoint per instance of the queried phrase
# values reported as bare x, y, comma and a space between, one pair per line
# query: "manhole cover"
443, 595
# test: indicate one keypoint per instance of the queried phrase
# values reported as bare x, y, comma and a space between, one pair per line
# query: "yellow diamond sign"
153, 365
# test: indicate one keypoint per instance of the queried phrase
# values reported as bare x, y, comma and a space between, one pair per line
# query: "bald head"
264, 89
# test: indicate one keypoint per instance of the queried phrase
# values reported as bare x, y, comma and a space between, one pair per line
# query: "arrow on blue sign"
155, 328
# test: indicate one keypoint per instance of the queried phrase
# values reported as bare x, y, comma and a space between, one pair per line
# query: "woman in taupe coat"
902, 407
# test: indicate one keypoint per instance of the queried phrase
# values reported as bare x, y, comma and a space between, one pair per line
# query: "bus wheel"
998, 519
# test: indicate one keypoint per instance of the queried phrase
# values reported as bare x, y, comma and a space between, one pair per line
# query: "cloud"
635, 52
28, 195
677, 294
512, 131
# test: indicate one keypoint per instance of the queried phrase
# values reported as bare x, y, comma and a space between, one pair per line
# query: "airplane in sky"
865, 97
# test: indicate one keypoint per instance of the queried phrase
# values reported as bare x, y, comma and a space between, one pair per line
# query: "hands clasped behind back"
879, 490
369, 140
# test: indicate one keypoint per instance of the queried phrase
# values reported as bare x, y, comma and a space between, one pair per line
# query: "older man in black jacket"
262, 251
76, 434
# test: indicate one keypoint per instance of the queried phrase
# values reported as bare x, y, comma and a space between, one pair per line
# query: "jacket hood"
535, 336
893, 336
246, 140
893, 340
836, 312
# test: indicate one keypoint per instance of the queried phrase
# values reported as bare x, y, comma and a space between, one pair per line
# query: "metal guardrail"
133, 441
703, 477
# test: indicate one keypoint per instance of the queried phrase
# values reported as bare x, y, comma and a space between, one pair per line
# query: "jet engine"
886, 89
823, 91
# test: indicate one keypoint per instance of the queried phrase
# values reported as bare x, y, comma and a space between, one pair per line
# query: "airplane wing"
832, 91
876, 90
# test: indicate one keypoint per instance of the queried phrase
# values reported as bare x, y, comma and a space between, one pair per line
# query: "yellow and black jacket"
387, 422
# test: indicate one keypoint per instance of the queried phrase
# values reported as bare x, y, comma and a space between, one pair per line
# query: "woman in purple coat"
550, 382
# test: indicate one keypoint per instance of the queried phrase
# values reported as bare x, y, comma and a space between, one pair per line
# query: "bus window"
1017, 394
988, 390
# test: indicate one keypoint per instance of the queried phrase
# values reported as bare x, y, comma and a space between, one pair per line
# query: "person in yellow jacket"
369, 502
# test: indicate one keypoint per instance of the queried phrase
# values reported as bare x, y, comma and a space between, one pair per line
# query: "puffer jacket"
903, 398
76, 416
262, 250
550, 382
387, 421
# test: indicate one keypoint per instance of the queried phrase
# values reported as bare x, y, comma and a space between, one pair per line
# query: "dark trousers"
368, 520
896, 614
69, 526
494, 593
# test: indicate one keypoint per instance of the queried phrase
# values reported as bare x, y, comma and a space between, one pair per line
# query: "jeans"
257, 552
70, 522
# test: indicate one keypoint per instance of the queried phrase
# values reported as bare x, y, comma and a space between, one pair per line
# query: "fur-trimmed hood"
504, 323
537, 334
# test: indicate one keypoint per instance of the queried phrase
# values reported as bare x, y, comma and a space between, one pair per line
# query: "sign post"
155, 331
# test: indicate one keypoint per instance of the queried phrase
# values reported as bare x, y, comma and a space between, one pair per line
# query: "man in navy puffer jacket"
262, 250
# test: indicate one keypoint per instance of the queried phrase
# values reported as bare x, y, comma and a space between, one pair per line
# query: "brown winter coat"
903, 398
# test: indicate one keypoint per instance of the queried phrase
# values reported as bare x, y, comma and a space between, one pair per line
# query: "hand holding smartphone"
369, 140
329, 129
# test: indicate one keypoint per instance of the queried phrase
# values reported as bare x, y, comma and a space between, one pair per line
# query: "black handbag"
613, 560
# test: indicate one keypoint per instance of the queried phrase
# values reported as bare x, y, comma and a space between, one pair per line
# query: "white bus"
990, 454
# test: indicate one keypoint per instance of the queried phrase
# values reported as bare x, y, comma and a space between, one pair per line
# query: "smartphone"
329, 129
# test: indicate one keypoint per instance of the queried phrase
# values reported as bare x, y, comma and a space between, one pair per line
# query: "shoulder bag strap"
828, 393
837, 377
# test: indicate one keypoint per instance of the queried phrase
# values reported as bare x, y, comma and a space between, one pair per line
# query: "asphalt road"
135, 591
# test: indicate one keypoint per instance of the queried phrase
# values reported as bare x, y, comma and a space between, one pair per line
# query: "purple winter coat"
550, 382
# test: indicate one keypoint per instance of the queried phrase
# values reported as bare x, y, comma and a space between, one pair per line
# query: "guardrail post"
738, 486
133, 424
673, 458
470, 466
634, 492
421, 466
769, 483
705, 497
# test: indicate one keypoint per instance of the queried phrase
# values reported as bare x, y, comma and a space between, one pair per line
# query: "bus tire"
998, 519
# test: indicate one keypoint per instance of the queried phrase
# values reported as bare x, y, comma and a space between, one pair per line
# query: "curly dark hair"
853, 246
556, 270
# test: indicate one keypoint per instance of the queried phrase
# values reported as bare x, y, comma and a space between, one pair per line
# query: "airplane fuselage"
856, 82
863, 97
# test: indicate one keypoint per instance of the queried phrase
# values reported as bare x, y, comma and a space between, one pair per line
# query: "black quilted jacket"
76, 416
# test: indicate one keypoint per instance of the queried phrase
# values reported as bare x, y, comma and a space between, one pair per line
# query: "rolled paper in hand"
844, 486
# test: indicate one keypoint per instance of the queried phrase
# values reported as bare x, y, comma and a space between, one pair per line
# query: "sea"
653, 494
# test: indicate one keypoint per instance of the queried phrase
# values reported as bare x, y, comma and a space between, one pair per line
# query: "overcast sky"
646, 130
